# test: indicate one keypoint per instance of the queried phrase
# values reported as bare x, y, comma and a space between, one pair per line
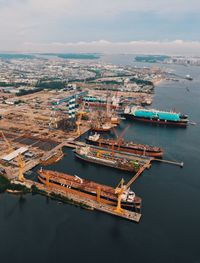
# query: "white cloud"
62, 20
177, 47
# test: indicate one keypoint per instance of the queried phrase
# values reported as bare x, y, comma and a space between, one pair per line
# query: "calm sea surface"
37, 229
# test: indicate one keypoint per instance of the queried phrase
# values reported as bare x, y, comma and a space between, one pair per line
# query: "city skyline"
100, 26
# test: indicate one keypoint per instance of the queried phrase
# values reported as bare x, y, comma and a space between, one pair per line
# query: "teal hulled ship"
156, 116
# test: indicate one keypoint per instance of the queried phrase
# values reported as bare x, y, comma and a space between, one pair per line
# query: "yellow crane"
7, 142
20, 161
121, 188
99, 153
21, 165
80, 114
78, 123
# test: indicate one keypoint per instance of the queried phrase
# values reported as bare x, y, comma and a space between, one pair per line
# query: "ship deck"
70, 179
138, 146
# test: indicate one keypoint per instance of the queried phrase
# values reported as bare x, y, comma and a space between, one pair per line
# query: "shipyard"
99, 131
40, 118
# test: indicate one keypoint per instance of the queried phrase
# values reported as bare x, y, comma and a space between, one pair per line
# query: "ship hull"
127, 149
156, 121
86, 193
87, 159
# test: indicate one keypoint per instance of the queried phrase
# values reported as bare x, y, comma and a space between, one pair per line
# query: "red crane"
120, 138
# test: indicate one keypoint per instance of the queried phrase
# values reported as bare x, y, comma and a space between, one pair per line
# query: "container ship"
88, 189
125, 146
106, 158
156, 116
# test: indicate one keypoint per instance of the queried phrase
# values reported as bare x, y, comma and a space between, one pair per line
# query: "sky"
110, 26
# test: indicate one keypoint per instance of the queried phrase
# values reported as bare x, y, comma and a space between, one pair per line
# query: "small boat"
188, 77
16, 192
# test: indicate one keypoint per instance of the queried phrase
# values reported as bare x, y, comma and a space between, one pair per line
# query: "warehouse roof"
14, 154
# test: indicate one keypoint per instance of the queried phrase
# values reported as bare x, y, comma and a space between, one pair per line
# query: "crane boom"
115, 132
132, 180
121, 188
119, 137
123, 132
7, 142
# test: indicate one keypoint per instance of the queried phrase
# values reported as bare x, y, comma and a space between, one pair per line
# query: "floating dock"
90, 204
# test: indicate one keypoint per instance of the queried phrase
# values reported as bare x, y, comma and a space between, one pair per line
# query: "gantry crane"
121, 188
20, 161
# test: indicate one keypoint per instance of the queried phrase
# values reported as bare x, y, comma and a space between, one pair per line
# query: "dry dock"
91, 204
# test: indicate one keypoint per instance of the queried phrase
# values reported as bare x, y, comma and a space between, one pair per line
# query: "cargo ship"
125, 146
156, 116
88, 189
106, 158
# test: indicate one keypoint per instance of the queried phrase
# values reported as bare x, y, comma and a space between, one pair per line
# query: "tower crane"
20, 161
